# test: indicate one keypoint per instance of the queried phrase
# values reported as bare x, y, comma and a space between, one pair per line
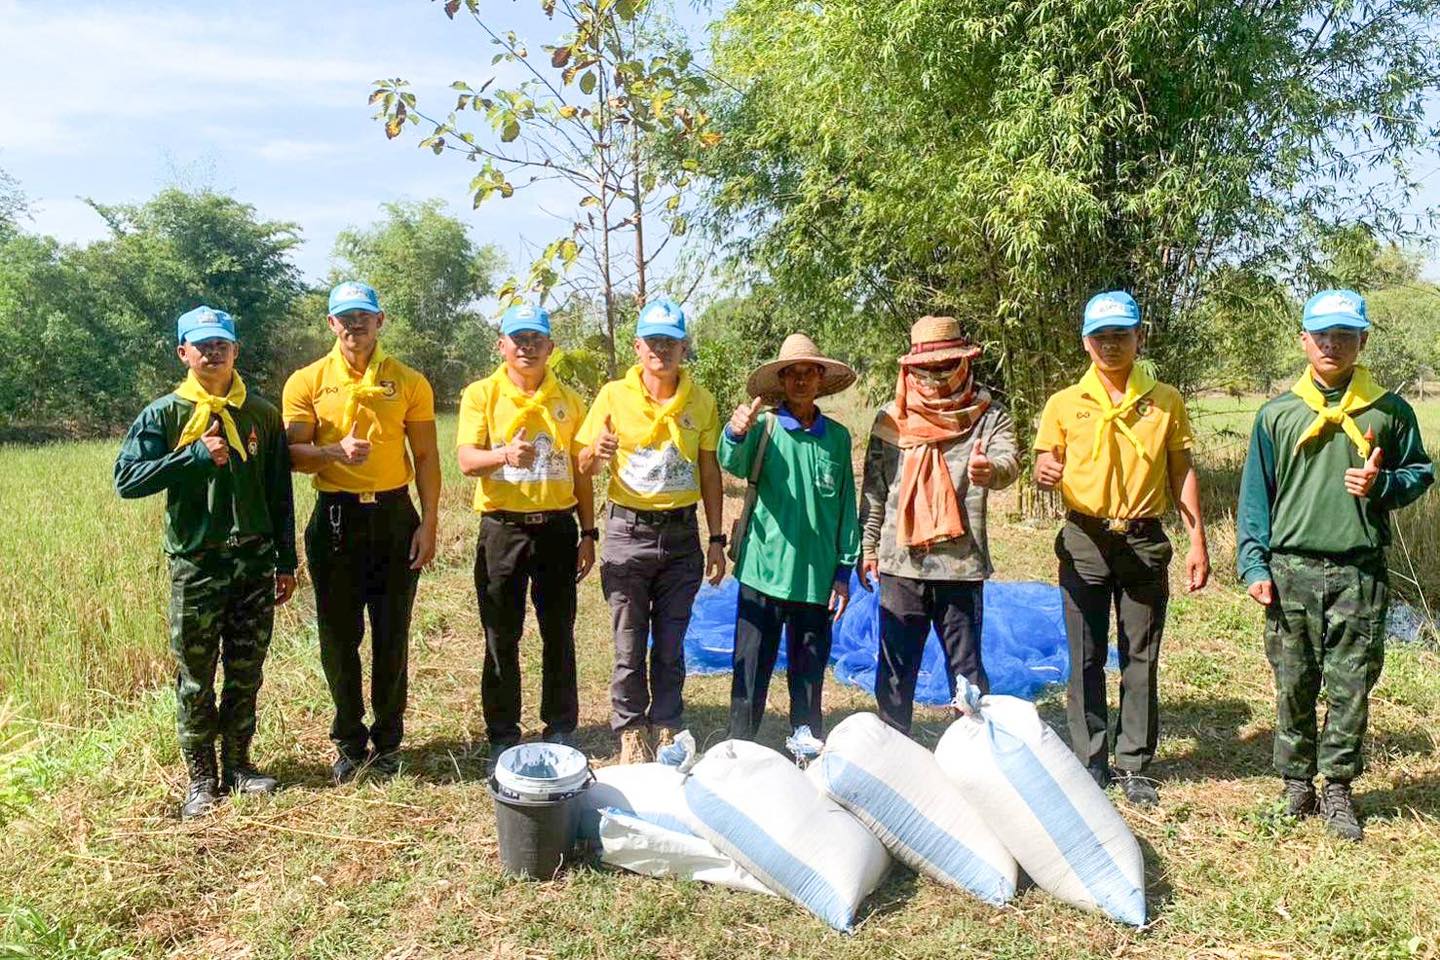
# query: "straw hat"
937, 339
798, 348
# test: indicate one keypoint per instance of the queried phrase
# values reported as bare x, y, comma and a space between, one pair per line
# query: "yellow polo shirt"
650, 471
488, 410
317, 394
1119, 483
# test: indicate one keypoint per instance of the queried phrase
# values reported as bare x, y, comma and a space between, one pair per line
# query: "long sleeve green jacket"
205, 505
804, 531
1294, 500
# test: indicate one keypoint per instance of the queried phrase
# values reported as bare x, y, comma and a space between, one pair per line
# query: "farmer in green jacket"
219, 455
1328, 461
802, 538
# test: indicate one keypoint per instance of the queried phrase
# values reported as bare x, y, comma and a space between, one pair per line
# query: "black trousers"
757, 644
1101, 569
509, 557
908, 608
359, 560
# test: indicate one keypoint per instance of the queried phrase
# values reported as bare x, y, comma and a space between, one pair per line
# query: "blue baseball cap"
661, 318
1335, 308
522, 317
1113, 308
204, 323
353, 295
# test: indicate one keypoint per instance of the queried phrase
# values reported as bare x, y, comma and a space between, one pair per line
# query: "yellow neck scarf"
527, 405
1361, 393
361, 390
1112, 414
667, 418
208, 405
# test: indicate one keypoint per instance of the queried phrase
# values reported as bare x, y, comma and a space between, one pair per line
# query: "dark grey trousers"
650, 572
1129, 572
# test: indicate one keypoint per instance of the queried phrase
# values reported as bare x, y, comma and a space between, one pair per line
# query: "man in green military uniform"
1328, 461
220, 456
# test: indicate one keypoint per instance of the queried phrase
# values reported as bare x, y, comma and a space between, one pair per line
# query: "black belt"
653, 517
1111, 524
368, 498
536, 519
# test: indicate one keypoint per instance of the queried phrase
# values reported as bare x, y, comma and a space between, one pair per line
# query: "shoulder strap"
752, 490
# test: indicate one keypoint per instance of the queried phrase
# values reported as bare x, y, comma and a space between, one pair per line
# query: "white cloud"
286, 150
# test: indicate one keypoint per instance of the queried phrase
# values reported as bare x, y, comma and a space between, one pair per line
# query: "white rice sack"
1043, 805
651, 791
897, 789
646, 848
758, 808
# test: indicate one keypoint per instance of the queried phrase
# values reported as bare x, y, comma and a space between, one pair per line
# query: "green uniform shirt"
1294, 501
804, 531
205, 505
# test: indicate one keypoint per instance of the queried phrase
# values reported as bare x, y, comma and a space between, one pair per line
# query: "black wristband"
593, 533
719, 538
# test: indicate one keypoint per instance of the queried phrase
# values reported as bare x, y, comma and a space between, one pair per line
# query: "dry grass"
93, 863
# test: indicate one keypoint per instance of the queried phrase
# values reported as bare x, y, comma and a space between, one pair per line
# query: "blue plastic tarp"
1023, 641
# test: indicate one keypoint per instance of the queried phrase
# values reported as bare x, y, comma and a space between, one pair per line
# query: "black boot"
201, 796
1338, 811
1299, 797
236, 773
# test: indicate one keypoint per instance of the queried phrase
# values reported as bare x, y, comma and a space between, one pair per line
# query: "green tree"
430, 275
606, 114
179, 250
13, 205
1003, 162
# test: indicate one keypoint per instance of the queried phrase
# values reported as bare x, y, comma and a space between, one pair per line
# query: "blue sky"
264, 99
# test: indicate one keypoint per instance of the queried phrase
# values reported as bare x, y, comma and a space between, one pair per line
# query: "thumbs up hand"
1359, 481
607, 442
520, 452
1050, 467
354, 449
982, 470
744, 417
215, 444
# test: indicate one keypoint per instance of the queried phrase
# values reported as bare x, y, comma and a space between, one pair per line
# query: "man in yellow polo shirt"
1118, 446
349, 417
661, 429
516, 434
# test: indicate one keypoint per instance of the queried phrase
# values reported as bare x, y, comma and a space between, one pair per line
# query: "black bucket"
537, 828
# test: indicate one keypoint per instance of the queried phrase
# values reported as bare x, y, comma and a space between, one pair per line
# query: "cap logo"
1333, 303
1105, 309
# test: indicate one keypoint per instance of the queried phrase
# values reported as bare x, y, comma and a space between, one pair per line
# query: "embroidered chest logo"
560, 412
1143, 406
687, 421
253, 443
1082, 414
389, 387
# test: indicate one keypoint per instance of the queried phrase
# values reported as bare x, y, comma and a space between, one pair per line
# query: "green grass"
93, 863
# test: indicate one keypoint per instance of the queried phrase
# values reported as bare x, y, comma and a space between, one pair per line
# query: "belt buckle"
1115, 525
368, 496
533, 519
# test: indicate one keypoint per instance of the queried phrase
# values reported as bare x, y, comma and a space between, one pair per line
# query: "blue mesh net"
1023, 642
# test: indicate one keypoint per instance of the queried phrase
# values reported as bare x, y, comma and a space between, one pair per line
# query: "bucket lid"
541, 769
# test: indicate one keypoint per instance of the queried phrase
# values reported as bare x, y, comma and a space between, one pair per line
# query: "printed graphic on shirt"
827, 480
550, 464
653, 470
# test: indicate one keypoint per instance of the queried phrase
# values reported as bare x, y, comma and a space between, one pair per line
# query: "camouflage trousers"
1326, 629
222, 608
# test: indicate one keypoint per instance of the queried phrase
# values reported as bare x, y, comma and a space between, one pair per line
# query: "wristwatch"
719, 538
593, 533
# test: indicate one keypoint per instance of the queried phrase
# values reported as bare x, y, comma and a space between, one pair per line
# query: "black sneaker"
345, 768
386, 764
564, 739
1139, 790
1338, 811
1299, 798
1101, 774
